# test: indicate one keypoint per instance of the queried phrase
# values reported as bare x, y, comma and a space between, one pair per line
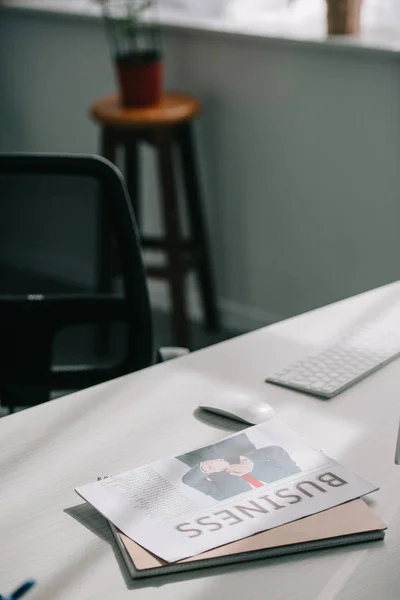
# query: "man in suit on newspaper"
234, 466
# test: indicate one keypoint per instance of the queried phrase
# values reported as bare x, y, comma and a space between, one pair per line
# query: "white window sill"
238, 22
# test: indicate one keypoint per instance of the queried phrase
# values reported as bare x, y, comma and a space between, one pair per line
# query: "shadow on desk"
87, 516
219, 422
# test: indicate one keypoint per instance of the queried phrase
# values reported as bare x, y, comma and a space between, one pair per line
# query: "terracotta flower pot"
135, 42
344, 17
140, 78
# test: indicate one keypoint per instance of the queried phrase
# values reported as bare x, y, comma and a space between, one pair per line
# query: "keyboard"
353, 357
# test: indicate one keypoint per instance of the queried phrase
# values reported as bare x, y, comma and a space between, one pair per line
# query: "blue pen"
21, 591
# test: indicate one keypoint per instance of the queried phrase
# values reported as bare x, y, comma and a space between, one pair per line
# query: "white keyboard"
356, 355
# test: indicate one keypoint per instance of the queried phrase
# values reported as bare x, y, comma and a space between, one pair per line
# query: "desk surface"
46, 533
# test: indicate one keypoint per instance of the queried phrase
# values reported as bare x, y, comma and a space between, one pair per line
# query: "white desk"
46, 451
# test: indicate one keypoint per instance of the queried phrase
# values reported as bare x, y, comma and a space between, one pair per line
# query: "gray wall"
299, 147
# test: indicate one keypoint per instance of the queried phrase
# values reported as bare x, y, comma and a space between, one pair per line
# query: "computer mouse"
245, 406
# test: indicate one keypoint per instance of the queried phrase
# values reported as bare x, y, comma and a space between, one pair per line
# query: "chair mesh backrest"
48, 229
49, 208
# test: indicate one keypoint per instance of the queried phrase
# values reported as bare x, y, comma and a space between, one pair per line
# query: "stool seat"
172, 110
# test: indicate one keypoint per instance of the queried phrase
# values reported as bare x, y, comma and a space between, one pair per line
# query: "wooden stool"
162, 126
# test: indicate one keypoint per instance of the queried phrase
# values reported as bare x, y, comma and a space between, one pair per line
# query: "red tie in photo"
253, 481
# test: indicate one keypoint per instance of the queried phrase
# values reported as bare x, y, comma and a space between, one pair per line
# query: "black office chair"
30, 322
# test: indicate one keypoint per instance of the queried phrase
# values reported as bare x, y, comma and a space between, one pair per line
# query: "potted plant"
135, 41
343, 17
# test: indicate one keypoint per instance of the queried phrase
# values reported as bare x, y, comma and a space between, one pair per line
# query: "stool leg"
132, 176
197, 225
104, 249
173, 237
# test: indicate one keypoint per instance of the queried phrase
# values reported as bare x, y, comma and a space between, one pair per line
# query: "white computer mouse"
245, 406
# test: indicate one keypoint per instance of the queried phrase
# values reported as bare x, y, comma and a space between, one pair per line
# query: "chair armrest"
164, 354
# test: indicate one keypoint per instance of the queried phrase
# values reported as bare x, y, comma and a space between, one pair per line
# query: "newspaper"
249, 482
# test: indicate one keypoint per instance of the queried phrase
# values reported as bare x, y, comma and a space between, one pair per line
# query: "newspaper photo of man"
235, 466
